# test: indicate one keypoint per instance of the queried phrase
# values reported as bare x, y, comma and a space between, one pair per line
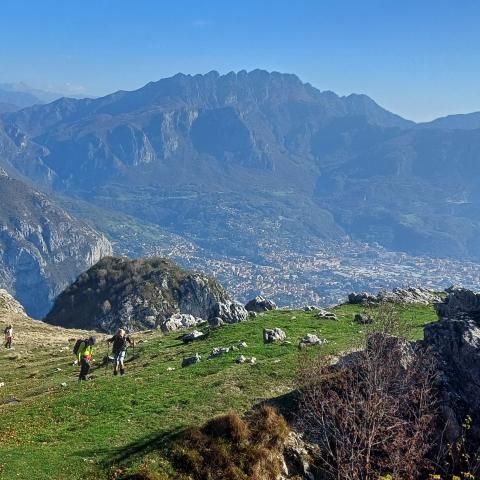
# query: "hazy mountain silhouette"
219, 157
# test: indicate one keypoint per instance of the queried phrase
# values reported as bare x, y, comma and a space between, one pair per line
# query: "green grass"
79, 431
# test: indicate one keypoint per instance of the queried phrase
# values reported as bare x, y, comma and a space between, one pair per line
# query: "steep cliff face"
140, 294
42, 247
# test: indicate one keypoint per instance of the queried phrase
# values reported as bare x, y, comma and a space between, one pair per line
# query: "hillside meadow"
87, 431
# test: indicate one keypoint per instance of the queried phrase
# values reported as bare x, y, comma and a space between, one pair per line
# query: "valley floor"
57, 432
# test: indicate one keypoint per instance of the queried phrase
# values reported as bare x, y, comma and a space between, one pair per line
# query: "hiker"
8, 336
119, 349
84, 356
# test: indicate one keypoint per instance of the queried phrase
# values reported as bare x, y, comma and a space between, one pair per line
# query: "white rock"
243, 359
190, 337
218, 351
325, 314
180, 320
311, 339
274, 335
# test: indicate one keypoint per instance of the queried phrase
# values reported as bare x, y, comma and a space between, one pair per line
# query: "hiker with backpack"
8, 336
83, 350
120, 342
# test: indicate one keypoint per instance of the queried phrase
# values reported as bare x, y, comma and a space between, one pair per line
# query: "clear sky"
418, 58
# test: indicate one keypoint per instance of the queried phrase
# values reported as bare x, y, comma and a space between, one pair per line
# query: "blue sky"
419, 58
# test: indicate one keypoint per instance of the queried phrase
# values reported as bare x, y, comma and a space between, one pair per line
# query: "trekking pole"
134, 400
107, 358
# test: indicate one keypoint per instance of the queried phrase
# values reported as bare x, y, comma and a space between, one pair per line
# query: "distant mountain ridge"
247, 163
19, 95
34, 94
17, 99
464, 121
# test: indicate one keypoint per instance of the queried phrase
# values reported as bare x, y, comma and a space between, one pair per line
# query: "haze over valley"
260, 179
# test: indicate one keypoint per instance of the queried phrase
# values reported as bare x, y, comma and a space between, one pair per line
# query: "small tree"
372, 413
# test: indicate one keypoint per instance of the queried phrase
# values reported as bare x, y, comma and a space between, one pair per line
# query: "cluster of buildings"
321, 273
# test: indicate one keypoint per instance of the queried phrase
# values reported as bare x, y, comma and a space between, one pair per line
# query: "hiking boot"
115, 372
122, 371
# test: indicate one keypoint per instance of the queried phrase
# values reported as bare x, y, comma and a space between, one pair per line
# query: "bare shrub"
373, 413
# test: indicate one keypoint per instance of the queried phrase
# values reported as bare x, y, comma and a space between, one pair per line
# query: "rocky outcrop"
260, 304
453, 342
362, 298
178, 321
455, 339
459, 302
216, 322
143, 294
42, 247
298, 458
9, 305
397, 295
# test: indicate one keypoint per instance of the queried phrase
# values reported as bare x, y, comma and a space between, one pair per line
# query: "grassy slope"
78, 431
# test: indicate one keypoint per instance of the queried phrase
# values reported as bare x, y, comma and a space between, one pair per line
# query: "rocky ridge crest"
397, 295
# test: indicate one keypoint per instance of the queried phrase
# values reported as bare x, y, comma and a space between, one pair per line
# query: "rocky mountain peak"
142, 294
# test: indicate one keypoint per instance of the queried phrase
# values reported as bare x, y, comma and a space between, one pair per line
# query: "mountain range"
249, 163
15, 96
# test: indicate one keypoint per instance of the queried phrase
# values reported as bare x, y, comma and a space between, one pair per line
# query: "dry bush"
230, 427
459, 459
373, 413
233, 448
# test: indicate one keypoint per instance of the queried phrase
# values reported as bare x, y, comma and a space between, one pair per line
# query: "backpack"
76, 347
119, 344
